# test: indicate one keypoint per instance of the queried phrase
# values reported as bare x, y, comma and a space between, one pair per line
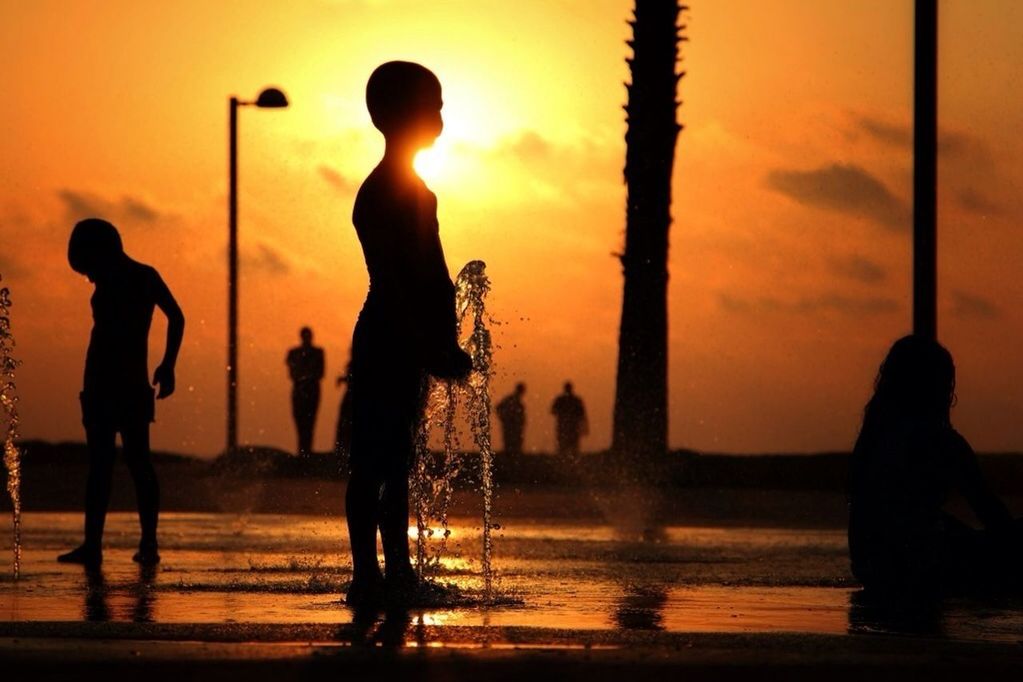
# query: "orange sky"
790, 250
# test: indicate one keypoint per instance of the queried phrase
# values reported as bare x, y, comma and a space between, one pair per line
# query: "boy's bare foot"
146, 556
83, 555
365, 592
402, 586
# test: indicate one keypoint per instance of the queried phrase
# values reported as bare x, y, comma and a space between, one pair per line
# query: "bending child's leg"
147, 489
102, 447
101, 441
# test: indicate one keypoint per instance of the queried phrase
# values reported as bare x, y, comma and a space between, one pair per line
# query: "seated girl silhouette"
907, 460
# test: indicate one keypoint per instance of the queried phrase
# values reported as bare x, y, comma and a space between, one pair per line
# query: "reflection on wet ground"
291, 570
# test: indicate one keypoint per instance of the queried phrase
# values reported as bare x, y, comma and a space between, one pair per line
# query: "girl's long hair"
916, 381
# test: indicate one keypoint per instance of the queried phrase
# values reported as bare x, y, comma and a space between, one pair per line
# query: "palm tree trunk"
641, 396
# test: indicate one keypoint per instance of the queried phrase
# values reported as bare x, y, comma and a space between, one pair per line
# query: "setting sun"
432, 164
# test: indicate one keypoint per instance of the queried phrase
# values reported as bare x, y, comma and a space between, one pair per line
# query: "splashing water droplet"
9, 407
433, 478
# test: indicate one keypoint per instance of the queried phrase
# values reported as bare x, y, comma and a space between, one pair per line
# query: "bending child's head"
94, 245
404, 101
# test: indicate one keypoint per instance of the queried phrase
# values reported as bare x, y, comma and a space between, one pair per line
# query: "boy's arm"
164, 374
441, 319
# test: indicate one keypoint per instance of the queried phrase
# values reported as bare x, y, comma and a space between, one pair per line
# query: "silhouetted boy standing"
406, 328
116, 395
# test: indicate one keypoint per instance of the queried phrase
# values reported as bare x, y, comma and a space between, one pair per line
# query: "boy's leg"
394, 524
408, 402
147, 489
362, 501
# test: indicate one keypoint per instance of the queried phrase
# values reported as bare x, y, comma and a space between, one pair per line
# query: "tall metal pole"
232, 278
925, 169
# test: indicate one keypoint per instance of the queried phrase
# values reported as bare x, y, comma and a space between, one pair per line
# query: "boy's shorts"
120, 410
386, 388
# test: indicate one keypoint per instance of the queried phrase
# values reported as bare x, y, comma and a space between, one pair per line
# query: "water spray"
9, 408
433, 481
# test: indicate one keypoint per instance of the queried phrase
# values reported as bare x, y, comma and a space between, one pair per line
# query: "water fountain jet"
9, 407
433, 481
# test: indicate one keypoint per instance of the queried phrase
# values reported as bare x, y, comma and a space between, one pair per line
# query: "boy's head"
404, 100
93, 246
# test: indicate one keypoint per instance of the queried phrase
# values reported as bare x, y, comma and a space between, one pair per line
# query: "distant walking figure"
906, 461
406, 329
570, 417
305, 365
343, 433
512, 414
116, 394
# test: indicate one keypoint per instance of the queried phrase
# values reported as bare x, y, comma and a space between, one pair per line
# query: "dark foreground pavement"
242, 653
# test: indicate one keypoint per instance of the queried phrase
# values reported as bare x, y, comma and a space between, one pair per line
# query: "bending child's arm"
164, 374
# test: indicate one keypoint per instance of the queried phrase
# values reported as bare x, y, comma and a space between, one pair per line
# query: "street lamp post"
925, 169
270, 98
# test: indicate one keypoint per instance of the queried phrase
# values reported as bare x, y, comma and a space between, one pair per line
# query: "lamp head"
272, 98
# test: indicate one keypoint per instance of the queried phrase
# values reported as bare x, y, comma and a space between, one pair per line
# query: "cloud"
9, 266
968, 157
79, 205
967, 305
974, 201
843, 188
955, 144
837, 303
265, 258
893, 134
339, 182
859, 268
529, 146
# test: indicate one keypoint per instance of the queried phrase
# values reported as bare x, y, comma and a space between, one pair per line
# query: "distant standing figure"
116, 396
305, 365
512, 414
570, 416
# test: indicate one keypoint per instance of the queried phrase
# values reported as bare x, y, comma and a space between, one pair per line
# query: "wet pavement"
565, 583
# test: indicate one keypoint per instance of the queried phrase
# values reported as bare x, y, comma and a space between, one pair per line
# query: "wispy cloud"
79, 205
266, 258
529, 147
976, 202
838, 303
964, 154
968, 305
842, 188
339, 182
859, 268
